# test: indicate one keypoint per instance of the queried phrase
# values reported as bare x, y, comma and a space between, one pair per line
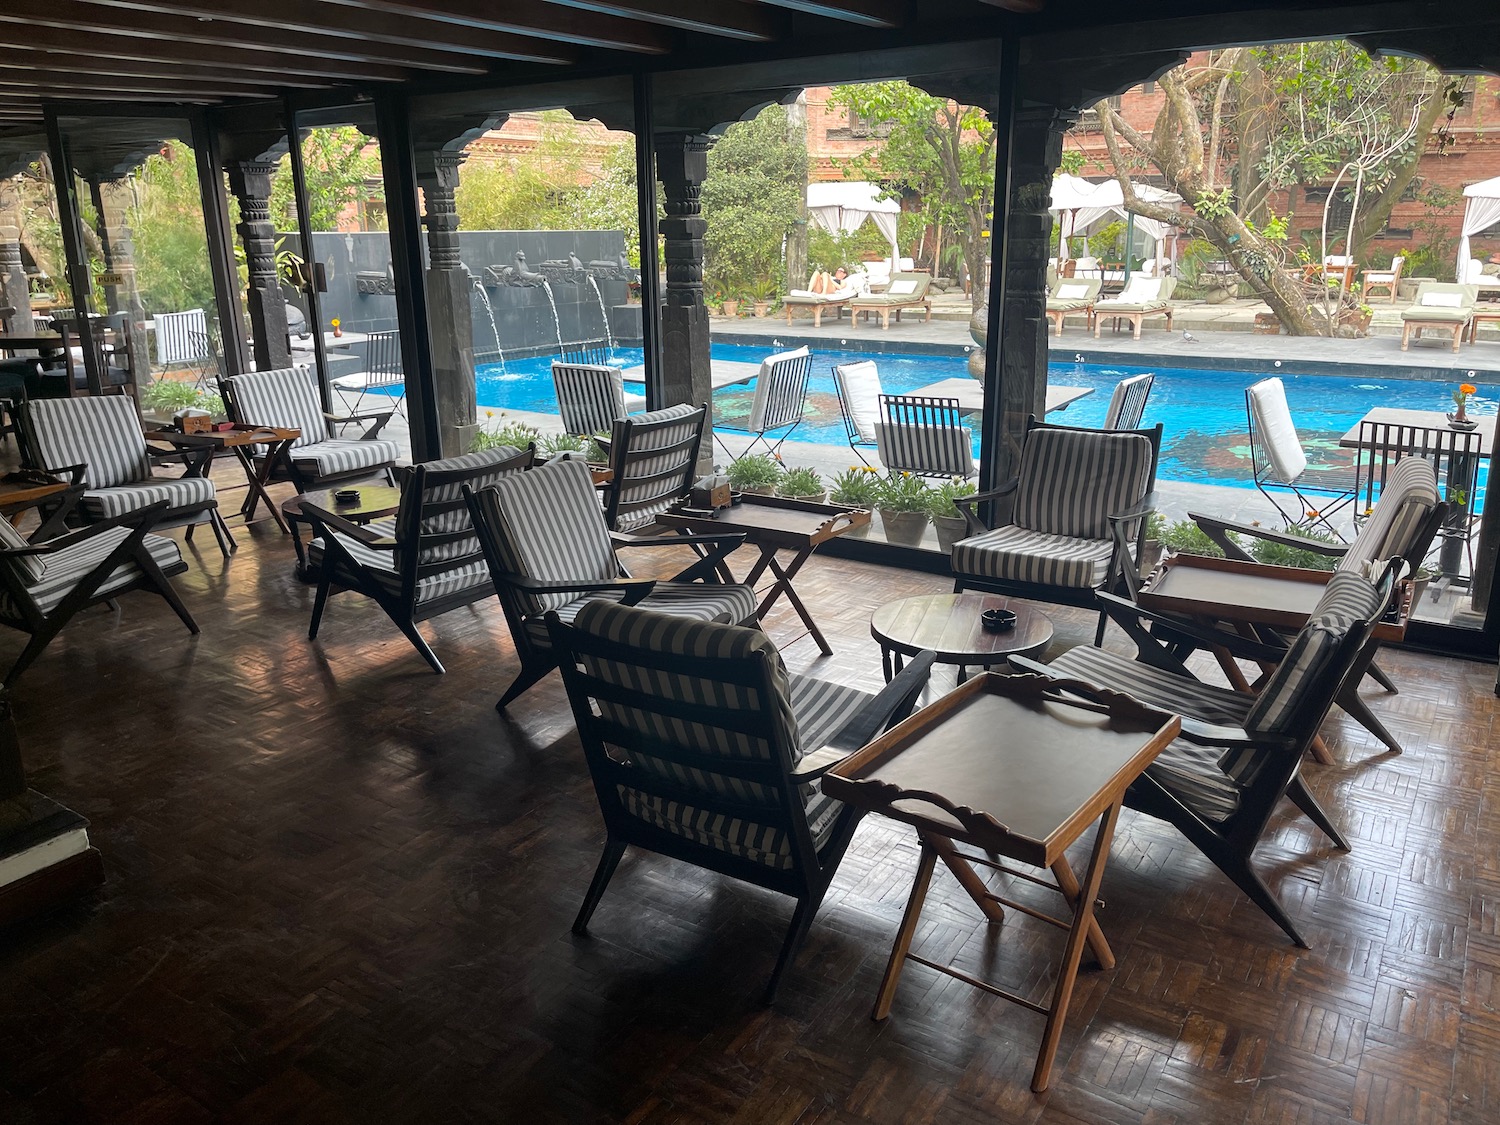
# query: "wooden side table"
949, 625
242, 441
1019, 766
376, 501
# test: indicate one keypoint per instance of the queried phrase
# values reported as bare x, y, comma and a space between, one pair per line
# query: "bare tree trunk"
796, 240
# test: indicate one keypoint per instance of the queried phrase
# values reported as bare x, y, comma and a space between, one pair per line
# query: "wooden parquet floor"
340, 890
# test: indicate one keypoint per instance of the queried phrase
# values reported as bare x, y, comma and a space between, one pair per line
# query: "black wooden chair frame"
621, 456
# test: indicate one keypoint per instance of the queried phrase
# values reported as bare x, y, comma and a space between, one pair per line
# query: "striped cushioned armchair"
288, 397
653, 459
703, 748
98, 439
1079, 502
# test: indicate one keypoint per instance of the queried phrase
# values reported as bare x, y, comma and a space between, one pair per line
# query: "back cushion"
1442, 300
1277, 433
1407, 497
1072, 291
550, 528
1072, 480
776, 403
1141, 290
101, 432
860, 384
1348, 601
638, 478
482, 471
286, 397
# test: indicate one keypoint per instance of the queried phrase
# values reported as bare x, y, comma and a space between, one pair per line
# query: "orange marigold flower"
1468, 388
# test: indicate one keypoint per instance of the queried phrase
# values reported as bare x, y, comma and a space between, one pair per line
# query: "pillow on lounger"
1071, 292
1443, 300
902, 288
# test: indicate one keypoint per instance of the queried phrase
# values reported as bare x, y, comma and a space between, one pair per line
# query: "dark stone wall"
519, 320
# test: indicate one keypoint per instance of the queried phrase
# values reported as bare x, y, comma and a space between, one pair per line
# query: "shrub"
1279, 554
856, 486
902, 492
517, 435
800, 482
167, 396
757, 471
940, 499
1184, 537
561, 443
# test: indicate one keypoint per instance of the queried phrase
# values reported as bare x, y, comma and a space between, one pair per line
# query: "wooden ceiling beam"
159, 52
729, 19
52, 62
77, 16
519, 17
296, 18
61, 81
866, 13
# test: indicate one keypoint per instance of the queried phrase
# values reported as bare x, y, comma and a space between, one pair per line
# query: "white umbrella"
842, 208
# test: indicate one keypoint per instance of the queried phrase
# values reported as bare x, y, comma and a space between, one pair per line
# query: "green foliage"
941, 151
827, 251
940, 499
1184, 537
1108, 242
759, 470
171, 249
561, 443
902, 492
856, 486
1279, 554
517, 435
167, 396
1433, 256
552, 187
1072, 161
800, 482
757, 172
341, 165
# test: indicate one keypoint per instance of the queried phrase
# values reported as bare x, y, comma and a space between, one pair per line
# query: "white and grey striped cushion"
1017, 555
1071, 481
180, 337
590, 397
780, 391
550, 528
1407, 498
379, 566
481, 467
1348, 600
1153, 686
800, 708
286, 397
691, 601
28, 568
178, 492
64, 570
648, 498
102, 432
343, 455
929, 450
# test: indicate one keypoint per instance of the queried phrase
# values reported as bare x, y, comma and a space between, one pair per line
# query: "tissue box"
195, 423
709, 493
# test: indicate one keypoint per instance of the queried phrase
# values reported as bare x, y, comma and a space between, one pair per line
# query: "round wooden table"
376, 501
948, 624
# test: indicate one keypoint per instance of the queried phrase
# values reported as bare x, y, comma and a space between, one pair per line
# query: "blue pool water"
1202, 412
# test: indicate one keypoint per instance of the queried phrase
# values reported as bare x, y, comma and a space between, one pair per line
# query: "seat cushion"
1423, 314
27, 567
727, 605
178, 492
1016, 554
343, 455
64, 570
1154, 686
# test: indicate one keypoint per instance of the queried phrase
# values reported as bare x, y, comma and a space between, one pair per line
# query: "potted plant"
1151, 550
801, 484
856, 487
1184, 537
763, 292
758, 472
947, 520
902, 502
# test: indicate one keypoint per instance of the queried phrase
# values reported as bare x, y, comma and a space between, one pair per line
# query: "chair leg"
1375, 673
801, 922
1099, 629
170, 596
320, 601
221, 533
409, 628
1302, 797
1360, 712
529, 674
610, 860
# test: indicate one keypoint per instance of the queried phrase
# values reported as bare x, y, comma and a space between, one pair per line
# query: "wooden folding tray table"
1016, 766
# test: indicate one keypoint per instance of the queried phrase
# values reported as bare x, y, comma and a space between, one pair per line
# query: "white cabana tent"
1085, 202
1481, 210
842, 208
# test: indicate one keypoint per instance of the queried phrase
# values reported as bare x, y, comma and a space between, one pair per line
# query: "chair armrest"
625, 539
142, 518
354, 531
1218, 734
1218, 530
1143, 508
815, 765
890, 706
380, 418
74, 473
968, 506
640, 587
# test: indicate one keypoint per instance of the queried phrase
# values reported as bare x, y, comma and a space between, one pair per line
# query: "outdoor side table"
1018, 766
774, 523
376, 501
949, 625
242, 441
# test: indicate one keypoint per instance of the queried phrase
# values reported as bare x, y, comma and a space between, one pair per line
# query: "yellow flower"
489, 413
335, 322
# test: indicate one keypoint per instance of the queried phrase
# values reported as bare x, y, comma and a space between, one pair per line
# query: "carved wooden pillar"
1036, 150
250, 180
14, 292
682, 164
121, 294
449, 302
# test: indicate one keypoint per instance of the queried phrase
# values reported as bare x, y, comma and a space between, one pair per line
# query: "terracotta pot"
905, 528
731, 308
950, 529
762, 308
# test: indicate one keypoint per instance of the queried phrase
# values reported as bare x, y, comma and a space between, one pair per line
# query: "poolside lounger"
1439, 304
1072, 295
818, 302
1143, 297
906, 291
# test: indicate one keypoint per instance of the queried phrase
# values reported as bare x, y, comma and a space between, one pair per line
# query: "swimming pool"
1202, 412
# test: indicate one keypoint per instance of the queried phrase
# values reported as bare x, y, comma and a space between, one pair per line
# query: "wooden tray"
1010, 764
1233, 590
774, 519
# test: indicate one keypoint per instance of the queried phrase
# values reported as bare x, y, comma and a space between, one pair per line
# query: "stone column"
1035, 152
682, 164
450, 310
250, 180
14, 292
